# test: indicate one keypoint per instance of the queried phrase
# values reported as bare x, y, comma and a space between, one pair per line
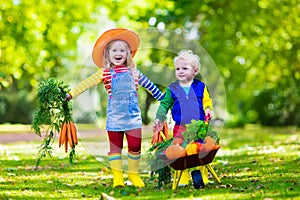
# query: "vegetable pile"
54, 116
198, 137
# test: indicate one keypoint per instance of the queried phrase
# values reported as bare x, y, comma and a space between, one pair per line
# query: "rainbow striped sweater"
104, 76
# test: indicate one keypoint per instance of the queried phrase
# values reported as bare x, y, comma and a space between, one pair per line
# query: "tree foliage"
36, 38
254, 43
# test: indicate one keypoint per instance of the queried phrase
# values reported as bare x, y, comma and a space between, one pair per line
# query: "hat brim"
126, 35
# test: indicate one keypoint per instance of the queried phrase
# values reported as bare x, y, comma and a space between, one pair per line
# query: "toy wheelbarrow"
201, 159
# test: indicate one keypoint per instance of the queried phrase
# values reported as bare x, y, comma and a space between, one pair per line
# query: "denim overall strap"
123, 112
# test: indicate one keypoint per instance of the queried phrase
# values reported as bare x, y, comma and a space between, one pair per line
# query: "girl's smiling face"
118, 52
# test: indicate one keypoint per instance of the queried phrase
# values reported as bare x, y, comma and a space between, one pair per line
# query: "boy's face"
118, 53
184, 71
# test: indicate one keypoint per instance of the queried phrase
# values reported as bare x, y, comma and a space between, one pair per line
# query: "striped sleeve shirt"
105, 77
92, 80
150, 86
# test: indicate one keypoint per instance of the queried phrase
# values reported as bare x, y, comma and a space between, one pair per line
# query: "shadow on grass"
253, 168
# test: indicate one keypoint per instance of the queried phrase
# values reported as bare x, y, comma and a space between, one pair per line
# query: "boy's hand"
157, 125
156, 128
208, 113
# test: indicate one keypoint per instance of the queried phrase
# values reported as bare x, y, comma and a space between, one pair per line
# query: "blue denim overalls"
123, 112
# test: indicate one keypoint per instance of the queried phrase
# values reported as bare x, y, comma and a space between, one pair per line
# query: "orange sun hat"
114, 34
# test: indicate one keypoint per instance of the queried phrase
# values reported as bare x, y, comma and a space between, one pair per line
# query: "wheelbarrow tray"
202, 158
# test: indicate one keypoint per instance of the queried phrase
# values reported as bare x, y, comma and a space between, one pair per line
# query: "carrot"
66, 140
159, 138
74, 133
155, 138
69, 135
62, 135
165, 130
216, 147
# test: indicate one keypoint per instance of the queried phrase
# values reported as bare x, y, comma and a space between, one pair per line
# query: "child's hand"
156, 128
68, 97
208, 113
157, 125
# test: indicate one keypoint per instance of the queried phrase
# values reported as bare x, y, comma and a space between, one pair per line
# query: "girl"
113, 53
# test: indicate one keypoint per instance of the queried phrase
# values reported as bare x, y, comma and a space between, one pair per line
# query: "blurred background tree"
254, 43
38, 38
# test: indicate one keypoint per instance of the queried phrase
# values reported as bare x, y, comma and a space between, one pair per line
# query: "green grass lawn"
253, 163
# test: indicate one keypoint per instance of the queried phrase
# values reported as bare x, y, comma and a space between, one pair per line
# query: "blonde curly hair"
190, 57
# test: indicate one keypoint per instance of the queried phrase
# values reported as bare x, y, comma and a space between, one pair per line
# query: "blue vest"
187, 107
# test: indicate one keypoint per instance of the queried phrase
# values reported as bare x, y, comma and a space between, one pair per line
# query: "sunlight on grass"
250, 167
15, 128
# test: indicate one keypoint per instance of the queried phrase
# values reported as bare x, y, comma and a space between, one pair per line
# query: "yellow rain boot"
184, 179
116, 169
133, 170
204, 173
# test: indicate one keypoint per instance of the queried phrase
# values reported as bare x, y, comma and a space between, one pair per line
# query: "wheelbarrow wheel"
197, 179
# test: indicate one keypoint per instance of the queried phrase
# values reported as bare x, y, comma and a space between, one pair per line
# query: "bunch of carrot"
160, 136
68, 134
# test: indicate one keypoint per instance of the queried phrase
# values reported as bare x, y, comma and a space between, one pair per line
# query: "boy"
188, 98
